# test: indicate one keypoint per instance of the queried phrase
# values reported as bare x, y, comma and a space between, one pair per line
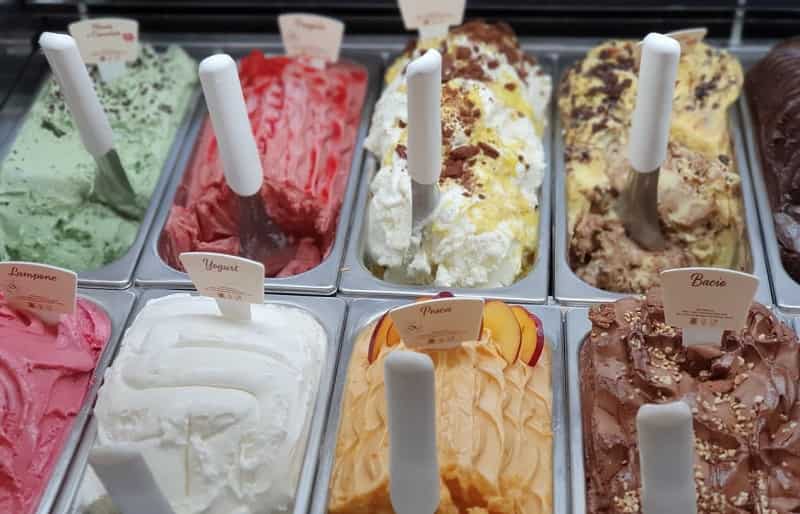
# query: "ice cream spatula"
649, 136
411, 408
424, 76
262, 240
111, 184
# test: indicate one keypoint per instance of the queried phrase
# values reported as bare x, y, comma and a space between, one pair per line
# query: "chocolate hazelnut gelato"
743, 395
773, 92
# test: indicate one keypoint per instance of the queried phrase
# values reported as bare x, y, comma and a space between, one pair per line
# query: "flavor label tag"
225, 277
685, 37
688, 37
439, 324
431, 17
704, 302
106, 40
46, 290
318, 37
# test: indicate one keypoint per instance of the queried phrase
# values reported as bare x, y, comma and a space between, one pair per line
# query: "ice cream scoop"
262, 240
413, 464
424, 77
666, 457
647, 149
111, 184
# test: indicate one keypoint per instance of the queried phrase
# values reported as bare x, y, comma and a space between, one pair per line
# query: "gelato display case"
766, 108
285, 410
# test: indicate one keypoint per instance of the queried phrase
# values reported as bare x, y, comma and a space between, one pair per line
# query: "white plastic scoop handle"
424, 77
666, 458
652, 115
413, 463
128, 479
65, 60
237, 146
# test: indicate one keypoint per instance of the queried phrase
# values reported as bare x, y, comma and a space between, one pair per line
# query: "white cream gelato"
455, 249
485, 231
220, 409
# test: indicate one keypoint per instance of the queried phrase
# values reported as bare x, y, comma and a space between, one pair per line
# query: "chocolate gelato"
773, 92
743, 395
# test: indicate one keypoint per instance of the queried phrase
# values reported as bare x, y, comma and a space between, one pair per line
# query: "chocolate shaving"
49, 126
463, 53
453, 169
464, 152
703, 90
489, 150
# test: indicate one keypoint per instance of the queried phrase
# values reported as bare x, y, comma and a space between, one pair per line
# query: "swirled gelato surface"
305, 121
743, 394
219, 409
45, 373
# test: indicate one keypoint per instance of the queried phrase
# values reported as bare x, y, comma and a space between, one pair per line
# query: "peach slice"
384, 334
500, 320
532, 335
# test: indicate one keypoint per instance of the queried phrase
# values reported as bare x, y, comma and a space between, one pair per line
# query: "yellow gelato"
699, 191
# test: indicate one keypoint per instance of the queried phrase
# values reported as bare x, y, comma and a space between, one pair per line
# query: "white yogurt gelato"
220, 409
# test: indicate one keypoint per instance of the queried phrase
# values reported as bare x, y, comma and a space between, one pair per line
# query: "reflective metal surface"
112, 187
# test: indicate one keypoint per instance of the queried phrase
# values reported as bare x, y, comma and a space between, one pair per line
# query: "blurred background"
748, 19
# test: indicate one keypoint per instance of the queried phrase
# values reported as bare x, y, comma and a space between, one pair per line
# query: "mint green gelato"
47, 213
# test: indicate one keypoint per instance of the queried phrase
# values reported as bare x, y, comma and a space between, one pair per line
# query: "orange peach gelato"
494, 426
